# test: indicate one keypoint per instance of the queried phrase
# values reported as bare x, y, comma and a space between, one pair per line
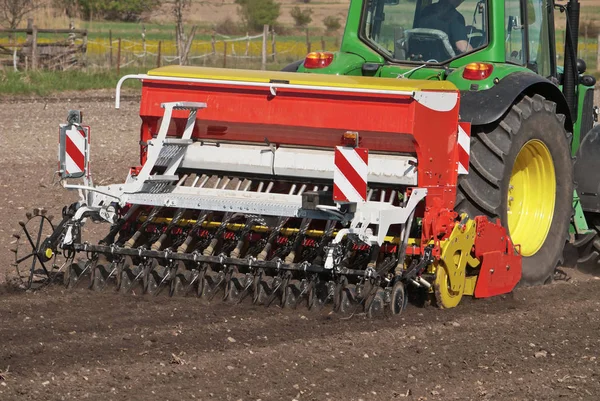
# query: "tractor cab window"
514, 42
527, 35
431, 31
539, 37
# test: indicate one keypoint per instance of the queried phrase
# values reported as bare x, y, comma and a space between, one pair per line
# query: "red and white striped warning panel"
350, 174
464, 147
74, 147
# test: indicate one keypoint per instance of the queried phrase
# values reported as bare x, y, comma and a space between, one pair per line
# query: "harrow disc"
34, 266
347, 304
375, 305
399, 300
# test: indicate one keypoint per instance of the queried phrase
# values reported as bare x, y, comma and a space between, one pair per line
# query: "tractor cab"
430, 31
441, 31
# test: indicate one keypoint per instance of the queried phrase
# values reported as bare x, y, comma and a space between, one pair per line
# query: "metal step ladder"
165, 152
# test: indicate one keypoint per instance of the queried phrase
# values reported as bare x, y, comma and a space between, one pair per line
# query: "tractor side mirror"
481, 7
513, 24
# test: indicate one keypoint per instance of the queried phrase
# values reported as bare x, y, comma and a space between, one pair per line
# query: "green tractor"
534, 151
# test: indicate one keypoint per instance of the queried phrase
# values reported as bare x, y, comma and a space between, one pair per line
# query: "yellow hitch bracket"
450, 279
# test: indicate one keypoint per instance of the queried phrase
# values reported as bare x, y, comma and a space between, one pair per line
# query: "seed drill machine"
398, 165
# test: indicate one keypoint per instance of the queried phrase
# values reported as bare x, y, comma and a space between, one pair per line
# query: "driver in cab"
444, 17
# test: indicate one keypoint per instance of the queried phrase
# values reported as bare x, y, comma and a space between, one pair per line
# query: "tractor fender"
587, 163
293, 67
488, 106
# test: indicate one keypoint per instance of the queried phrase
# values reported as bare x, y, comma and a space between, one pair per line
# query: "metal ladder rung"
185, 105
177, 142
162, 178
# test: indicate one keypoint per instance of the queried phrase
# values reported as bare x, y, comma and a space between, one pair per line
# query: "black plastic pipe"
571, 76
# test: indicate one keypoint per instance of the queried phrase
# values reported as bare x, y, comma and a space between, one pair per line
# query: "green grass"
44, 83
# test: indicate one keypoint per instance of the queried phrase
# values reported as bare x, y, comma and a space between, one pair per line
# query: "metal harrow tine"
88, 266
195, 277
136, 278
273, 293
216, 286
246, 290
105, 281
160, 286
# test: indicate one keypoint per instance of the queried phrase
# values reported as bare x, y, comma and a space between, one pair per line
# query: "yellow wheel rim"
531, 197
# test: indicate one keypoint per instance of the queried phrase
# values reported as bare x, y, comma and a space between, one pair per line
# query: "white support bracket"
378, 213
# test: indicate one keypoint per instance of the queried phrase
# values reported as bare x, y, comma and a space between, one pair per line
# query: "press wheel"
35, 267
398, 298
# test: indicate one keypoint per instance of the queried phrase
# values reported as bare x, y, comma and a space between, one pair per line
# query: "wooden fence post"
85, 40
158, 59
144, 44
322, 43
119, 57
307, 42
273, 46
71, 35
110, 46
213, 44
34, 55
263, 64
29, 29
247, 44
224, 54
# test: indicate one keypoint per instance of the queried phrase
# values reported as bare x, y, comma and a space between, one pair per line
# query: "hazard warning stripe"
464, 147
75, 151
350, 174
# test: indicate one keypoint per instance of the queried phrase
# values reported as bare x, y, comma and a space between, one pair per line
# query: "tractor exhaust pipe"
571, 76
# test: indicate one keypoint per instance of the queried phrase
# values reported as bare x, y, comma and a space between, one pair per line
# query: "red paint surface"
501, 264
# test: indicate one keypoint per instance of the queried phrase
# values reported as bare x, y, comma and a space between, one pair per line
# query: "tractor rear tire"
523, 162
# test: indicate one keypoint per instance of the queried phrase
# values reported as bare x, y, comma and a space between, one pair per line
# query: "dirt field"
536, 344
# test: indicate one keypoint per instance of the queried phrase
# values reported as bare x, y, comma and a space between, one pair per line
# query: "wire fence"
248, 51
223, 51
68, 48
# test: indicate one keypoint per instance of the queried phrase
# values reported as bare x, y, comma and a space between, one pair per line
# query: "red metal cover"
501, 264
423, 124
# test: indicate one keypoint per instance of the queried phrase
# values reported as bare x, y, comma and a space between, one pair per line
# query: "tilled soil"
538, 343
